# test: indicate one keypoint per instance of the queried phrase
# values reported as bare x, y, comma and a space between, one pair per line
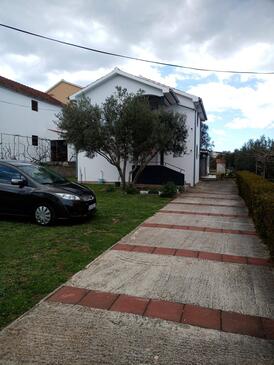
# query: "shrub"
258, 194
110, 189
154, 191
130, 189
169, 190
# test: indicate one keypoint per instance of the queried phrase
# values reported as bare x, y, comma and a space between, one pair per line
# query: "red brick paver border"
201, 229
69, 295
203, 255
129, 304
209, 205
243, 324
95, 299
166, 310
212, 193
185, 212
164, 251
197, 195
202, 317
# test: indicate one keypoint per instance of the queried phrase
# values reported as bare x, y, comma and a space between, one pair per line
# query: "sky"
214, 34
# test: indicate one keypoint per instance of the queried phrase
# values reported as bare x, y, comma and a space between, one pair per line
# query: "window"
34, 140
59, 150
34, 105
7, 173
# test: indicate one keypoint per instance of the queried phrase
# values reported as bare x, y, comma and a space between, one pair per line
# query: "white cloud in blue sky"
227, 34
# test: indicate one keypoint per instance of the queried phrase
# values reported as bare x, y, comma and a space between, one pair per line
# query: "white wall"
94, 169
197, 150
99, 94
91, 169
186, 161
17, 117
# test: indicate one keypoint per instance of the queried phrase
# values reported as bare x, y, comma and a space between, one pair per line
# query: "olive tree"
124, 130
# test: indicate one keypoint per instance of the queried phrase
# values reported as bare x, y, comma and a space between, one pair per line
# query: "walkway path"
191, 285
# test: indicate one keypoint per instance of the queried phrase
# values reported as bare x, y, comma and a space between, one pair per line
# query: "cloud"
211, 118
254, 107
186, 32
219, 132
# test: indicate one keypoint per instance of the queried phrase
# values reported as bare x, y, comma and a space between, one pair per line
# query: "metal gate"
25, 148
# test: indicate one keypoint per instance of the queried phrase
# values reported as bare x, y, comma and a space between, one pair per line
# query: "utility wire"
131, 57
25, 106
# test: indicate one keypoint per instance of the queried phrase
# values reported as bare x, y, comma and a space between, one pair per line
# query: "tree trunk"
122, 176
138, 173
142, 167
124, 183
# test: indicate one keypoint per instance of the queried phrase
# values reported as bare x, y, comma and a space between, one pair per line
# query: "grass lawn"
35, 260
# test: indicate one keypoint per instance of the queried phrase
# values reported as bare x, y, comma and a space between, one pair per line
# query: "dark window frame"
34, 105
34, 140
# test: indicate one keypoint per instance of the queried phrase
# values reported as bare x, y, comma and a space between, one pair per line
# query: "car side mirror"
19, 182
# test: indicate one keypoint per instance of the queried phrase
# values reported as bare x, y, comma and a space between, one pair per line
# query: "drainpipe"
194, 150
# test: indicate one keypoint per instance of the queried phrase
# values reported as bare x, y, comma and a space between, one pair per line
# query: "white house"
27, 128
92, 170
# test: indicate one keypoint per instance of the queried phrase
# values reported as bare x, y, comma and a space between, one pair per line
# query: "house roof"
28, 91
64, 82
198, 103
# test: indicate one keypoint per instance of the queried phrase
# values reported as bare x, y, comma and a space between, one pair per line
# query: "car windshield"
42, 175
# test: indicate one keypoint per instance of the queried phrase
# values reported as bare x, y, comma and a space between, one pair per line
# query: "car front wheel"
44, 215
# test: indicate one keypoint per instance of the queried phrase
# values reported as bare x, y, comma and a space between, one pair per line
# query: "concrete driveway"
192, 285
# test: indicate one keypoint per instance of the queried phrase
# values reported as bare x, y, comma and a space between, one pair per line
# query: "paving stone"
53, 333
186, 253
148, 249
189, 198
202, 317
268, 326
164, 251
239, 288
210, 256
98, 300
208, 209
220, 216
243, 324
164, 310
235, 259
200, 254
208, 223
200, 241
258, 261
130, 304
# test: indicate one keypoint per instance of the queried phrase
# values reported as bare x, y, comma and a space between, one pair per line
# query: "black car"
32, 190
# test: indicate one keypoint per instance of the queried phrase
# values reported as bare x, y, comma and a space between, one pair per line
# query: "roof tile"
29, 91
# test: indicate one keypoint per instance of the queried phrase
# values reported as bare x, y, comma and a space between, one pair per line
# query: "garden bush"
131, 189
258, 194
169, 190
110, 189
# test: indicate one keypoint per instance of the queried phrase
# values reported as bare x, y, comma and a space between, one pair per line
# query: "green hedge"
258, 194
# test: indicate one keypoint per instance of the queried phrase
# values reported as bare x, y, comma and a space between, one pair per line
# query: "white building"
92, 170
27, 128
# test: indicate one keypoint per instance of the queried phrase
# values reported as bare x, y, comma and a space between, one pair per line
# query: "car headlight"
67, 196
